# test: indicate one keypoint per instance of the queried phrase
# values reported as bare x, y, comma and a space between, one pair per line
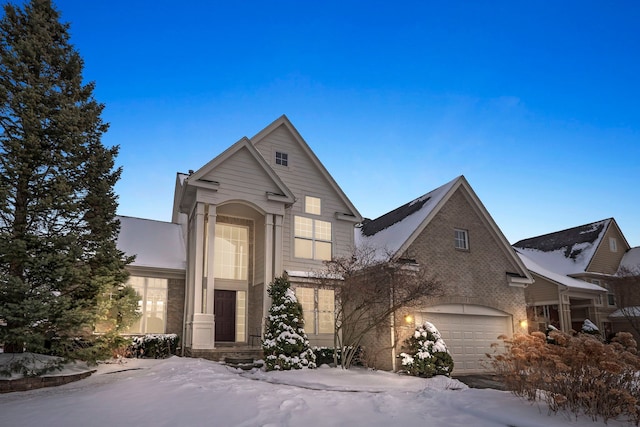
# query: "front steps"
230, 354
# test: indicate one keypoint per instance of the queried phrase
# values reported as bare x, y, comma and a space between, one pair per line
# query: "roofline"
562, 231
461, 181
244, 142
284, 120
570, 288
146, 219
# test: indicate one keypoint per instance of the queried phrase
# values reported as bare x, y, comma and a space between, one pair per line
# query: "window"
326, 311
461, 239
312, 205
231, 252
611, 298
312, 238
282, 159
613, 244
152, 305
306, 298
318, 308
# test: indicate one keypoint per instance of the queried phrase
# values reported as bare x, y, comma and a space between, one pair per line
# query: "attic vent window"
613, 244
282, 159
461, 239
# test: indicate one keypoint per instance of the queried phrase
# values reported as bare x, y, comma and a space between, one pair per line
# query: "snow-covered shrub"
589, 328
157, 346
325, 355
426, 354
579, 374
29, 365
285, 343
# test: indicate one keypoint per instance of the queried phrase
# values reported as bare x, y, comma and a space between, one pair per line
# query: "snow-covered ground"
195, 392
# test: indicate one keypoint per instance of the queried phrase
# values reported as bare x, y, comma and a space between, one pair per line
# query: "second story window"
312, 238
312, 205
282, 159
231, 255
461, 239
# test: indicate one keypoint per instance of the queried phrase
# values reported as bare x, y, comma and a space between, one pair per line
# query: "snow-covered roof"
313, 275
568, 251
155, 243
567, 281
631, 260
626, 312
386, 234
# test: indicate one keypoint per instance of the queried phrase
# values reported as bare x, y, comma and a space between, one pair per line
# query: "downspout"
393, 327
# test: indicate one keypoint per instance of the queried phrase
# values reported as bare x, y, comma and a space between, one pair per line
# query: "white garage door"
469, 338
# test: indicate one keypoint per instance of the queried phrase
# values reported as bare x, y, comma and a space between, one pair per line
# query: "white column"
203, 323
199, 256
268, 264
211, 238
277, 245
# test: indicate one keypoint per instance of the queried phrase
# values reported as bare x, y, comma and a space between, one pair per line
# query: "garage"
468, 331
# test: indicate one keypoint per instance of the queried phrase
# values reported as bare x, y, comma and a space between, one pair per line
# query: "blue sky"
534, 102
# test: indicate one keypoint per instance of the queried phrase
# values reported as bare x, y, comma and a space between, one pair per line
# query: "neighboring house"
264, 206
631, 261
627, 316
573, 269
449, 233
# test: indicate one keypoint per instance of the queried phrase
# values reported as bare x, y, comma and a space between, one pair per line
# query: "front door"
225, 312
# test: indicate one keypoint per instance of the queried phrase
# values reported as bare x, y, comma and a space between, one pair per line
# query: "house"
627, 289
449, 233
264, 206
573, 269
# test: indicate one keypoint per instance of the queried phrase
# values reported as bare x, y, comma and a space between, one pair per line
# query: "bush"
101, 347
30, 365
157, 346
580, 374
324, 356
426, 354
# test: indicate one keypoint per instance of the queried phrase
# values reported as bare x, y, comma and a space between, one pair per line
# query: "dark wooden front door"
225, 311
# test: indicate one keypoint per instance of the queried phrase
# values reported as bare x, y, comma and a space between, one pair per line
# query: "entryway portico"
234, 228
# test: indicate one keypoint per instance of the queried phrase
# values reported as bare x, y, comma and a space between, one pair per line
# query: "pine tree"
57, 204
285, 343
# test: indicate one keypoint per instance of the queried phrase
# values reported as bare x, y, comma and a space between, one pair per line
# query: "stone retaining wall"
32, 383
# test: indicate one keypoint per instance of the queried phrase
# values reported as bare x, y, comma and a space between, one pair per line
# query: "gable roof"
156, 244
558, 279
284, 121
392, 233
567, 251
197, 178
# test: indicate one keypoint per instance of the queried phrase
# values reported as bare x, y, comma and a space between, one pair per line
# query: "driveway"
481, 381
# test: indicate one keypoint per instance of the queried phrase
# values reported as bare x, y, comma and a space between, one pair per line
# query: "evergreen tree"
285, 343
57, 204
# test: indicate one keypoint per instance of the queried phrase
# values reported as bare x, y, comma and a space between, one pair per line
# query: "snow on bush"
158, 346
285, 343
589, 328
579, 374
426, 354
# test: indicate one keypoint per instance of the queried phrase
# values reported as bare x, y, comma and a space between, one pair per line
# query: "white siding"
303, 178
